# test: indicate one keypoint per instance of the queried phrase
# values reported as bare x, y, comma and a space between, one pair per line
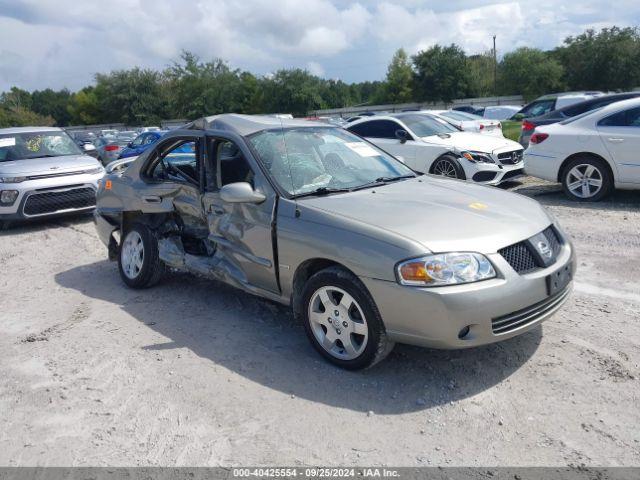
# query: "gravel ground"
193, 372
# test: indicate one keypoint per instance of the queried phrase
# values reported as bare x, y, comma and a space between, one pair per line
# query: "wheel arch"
573, 156
304, 272
451, 156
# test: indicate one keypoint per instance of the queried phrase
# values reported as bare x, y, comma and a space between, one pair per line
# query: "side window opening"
231, 164
178, 162
626, 118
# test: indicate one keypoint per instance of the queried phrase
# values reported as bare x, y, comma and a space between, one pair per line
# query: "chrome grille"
49, 202
519, 257
554, 240
510, 158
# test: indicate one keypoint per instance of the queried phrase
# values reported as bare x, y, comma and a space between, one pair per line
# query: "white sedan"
590, 154
428, 144
469, 122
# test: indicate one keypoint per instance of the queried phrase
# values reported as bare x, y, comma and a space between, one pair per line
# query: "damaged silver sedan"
366, 251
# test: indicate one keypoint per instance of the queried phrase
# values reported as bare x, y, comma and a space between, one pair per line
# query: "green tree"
53, 104
605, 60
530, 72
83, 108
398, 85
481, 68
441, 73
22, 117
293, 91
134, 97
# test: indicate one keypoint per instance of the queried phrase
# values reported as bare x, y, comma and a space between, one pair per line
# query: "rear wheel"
586, 179
342, 320
138, 261
448, 166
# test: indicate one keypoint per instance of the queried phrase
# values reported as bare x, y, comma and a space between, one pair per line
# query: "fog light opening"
464, 332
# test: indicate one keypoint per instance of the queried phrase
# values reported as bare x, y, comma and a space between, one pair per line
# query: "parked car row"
308, 214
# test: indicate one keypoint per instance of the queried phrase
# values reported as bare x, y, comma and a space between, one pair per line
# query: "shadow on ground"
25, 227
551, 194
261, 341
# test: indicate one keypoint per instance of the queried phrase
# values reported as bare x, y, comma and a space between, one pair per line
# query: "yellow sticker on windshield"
477, 206
34, 143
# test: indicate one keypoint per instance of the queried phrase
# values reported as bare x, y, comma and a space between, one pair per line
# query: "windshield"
303, 160
27, 145
426, 125
460, 116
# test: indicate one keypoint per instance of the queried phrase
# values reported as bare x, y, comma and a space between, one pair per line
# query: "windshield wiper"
322, 191
383, 181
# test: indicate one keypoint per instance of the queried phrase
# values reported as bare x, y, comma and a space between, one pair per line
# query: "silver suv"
42, 173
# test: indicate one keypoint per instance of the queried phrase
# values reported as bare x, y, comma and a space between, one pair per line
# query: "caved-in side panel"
242, 233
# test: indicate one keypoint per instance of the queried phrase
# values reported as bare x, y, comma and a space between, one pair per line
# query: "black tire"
448, 163
152, 268
378, 345
601, 171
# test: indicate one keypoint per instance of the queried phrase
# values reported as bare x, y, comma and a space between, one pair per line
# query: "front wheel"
138, 261
342, 320
586, 179
448, 166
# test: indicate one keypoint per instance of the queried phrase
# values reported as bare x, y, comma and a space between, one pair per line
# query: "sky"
63, 43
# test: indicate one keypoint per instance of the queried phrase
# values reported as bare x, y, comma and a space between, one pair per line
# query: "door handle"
216, 210
151, 199
615, 139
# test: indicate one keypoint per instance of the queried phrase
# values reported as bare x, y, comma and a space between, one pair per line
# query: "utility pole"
495, 68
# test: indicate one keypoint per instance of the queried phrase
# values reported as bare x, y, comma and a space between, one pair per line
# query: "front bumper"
42, 198
491, 173
435, 317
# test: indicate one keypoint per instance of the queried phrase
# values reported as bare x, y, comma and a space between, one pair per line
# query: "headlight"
12, 179
8, 197
94, 171
445, 269
478, 157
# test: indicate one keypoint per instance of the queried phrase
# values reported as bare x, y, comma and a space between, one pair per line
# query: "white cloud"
316, 69
64, 42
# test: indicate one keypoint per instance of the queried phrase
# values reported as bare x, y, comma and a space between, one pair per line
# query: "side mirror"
241, 192
402, 135
89, 147
518, 116
130, 145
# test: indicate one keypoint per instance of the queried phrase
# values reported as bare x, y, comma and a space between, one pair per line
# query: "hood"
474, 141
39, 166
442, 215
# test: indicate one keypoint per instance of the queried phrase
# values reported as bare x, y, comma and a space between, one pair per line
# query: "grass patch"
511, 129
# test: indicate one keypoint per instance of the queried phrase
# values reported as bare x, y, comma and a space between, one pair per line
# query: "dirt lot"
196, 373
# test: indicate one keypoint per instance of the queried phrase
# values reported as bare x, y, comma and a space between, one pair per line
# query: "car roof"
570, 94
247, 124
392, 116
4, 131
608, 109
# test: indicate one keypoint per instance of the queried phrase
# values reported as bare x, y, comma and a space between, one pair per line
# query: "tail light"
538, 137
111, 148
481, 126
527, 126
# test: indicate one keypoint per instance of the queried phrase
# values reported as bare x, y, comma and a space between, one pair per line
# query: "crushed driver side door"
243, 233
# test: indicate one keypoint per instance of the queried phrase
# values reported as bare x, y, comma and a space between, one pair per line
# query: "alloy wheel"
338, 323
132, 255
446, 169
584, 180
